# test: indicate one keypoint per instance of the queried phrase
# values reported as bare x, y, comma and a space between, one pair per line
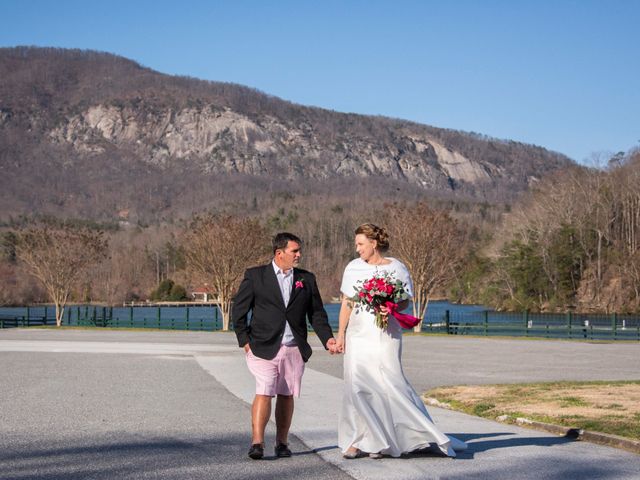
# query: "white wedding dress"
381, 412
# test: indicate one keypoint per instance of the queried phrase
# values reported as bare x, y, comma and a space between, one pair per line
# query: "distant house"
202, 294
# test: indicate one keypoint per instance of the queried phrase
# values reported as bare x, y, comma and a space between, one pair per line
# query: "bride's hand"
340, 344
384, 310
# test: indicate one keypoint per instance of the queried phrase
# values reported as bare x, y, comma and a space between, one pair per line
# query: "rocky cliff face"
94, 113
223, 141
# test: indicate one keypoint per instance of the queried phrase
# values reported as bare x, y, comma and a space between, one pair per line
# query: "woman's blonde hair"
373, 232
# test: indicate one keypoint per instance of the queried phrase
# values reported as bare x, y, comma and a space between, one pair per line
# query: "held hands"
336, 346
331, 346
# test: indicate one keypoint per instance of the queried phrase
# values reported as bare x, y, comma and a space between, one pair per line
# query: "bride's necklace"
378, 263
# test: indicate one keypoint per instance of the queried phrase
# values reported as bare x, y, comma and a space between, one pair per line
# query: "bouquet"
383, 290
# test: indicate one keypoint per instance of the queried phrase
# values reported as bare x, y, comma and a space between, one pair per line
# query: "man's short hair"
282, 239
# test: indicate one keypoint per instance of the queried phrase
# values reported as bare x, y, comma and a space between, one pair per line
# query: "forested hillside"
93, 135
95, 140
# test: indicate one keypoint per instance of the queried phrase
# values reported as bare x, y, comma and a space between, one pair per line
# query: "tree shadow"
224, 456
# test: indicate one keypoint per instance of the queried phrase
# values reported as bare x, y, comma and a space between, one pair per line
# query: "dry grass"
607, 407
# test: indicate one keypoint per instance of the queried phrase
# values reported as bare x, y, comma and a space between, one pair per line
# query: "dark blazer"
260, 293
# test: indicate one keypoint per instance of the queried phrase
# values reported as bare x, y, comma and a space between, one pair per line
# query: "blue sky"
561, 74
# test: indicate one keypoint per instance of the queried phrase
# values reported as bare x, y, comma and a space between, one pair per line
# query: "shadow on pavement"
483, 446
171, 458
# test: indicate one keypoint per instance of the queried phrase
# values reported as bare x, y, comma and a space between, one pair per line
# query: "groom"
279, 297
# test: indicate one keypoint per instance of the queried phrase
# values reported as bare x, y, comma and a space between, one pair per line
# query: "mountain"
92, 134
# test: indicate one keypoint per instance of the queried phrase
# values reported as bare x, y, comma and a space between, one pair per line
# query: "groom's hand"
331, 346
246, 348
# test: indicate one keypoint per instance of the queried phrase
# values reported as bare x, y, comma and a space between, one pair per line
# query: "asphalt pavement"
84, 404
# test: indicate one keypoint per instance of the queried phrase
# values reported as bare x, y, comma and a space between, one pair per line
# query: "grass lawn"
607, 407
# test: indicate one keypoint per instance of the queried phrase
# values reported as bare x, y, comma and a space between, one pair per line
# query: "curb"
568, 432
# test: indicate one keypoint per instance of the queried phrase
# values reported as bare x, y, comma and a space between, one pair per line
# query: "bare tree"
430, 245
217, 250
59, 257
625, 234
556, 203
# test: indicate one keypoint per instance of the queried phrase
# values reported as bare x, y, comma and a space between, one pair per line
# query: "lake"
199, 317
441, 317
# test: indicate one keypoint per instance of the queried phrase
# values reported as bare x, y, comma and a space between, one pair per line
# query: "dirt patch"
608, 407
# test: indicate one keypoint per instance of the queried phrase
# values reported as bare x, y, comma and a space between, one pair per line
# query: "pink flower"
299, 284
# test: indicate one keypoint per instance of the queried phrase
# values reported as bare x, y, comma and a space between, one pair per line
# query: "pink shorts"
281, 375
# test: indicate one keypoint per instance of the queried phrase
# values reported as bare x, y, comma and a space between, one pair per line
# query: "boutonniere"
299, 284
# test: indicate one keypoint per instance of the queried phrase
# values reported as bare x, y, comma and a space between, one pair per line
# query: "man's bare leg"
284, 414
260, 413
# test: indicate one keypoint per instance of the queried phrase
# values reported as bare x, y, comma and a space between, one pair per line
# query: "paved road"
117, 404
128, 416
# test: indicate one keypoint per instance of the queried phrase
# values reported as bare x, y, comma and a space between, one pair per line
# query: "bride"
381, 412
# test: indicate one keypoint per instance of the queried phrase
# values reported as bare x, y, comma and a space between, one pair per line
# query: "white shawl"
358, 270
